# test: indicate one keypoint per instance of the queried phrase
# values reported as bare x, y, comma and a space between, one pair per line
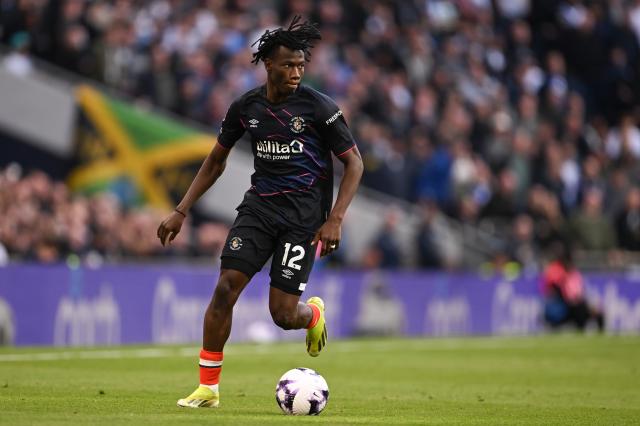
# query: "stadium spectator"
544, 209
44, 222
384, 251
562, 287
617, 184
158, 84
502, 203
622, 143
628, 222
522, 246
437, 246
589, 229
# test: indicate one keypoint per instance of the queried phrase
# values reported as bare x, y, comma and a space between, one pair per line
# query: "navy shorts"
253, 240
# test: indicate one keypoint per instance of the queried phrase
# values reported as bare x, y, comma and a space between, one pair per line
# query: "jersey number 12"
292, 262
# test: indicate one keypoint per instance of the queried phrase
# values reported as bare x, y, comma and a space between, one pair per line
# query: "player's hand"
170, 227
329, 235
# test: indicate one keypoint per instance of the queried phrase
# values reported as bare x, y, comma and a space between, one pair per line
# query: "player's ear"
268, 63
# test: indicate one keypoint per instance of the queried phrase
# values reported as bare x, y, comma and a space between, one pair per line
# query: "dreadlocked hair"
299, 36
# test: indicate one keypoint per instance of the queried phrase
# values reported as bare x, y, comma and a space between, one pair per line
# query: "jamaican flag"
141, 157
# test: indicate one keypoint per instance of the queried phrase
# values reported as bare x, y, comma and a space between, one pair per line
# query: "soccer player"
287, 212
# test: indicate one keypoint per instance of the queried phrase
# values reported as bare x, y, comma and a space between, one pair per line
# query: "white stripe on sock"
209, 363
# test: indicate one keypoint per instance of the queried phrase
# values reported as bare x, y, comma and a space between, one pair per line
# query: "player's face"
285, 69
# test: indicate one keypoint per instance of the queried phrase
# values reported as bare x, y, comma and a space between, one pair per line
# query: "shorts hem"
228, 262
285, 287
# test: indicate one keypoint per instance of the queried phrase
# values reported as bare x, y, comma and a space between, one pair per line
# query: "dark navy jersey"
292, 142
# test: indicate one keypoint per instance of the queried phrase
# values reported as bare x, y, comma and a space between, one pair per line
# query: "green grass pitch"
559, 379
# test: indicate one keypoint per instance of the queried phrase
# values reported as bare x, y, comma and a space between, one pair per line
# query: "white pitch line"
97, 354
433, 345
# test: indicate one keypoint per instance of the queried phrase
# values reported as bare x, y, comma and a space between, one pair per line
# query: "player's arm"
209, 172
332, 125
330, 232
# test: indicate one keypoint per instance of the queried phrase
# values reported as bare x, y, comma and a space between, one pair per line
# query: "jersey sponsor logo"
235, 243
253, 123
334, 117
296, 124
274, 150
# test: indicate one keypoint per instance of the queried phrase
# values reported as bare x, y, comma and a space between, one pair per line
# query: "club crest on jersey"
235, 243
296, 124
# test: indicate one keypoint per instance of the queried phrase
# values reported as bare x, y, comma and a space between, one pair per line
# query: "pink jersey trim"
274, 116
340, 155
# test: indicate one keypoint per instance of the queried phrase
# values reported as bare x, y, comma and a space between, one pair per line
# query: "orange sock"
315, 316
210, 367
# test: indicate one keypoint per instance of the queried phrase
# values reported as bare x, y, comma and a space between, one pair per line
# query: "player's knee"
284, 320
225, 295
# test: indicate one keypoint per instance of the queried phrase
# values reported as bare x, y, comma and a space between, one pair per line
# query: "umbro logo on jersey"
253, 123
287, 274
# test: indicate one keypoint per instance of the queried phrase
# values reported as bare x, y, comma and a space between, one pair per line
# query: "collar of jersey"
263, 95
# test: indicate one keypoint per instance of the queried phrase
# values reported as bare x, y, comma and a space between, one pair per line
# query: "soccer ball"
302, 391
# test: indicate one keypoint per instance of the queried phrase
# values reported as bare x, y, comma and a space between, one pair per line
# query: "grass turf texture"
560, 379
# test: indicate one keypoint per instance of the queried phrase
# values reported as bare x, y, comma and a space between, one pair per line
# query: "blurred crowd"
43, 222
520, 114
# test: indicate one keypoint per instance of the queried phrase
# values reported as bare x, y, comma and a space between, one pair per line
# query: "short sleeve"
333, 127
232, 126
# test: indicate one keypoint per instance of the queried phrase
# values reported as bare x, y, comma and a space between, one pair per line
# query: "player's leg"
218, 316
287, 311
216, 330
249, 245
292, 263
